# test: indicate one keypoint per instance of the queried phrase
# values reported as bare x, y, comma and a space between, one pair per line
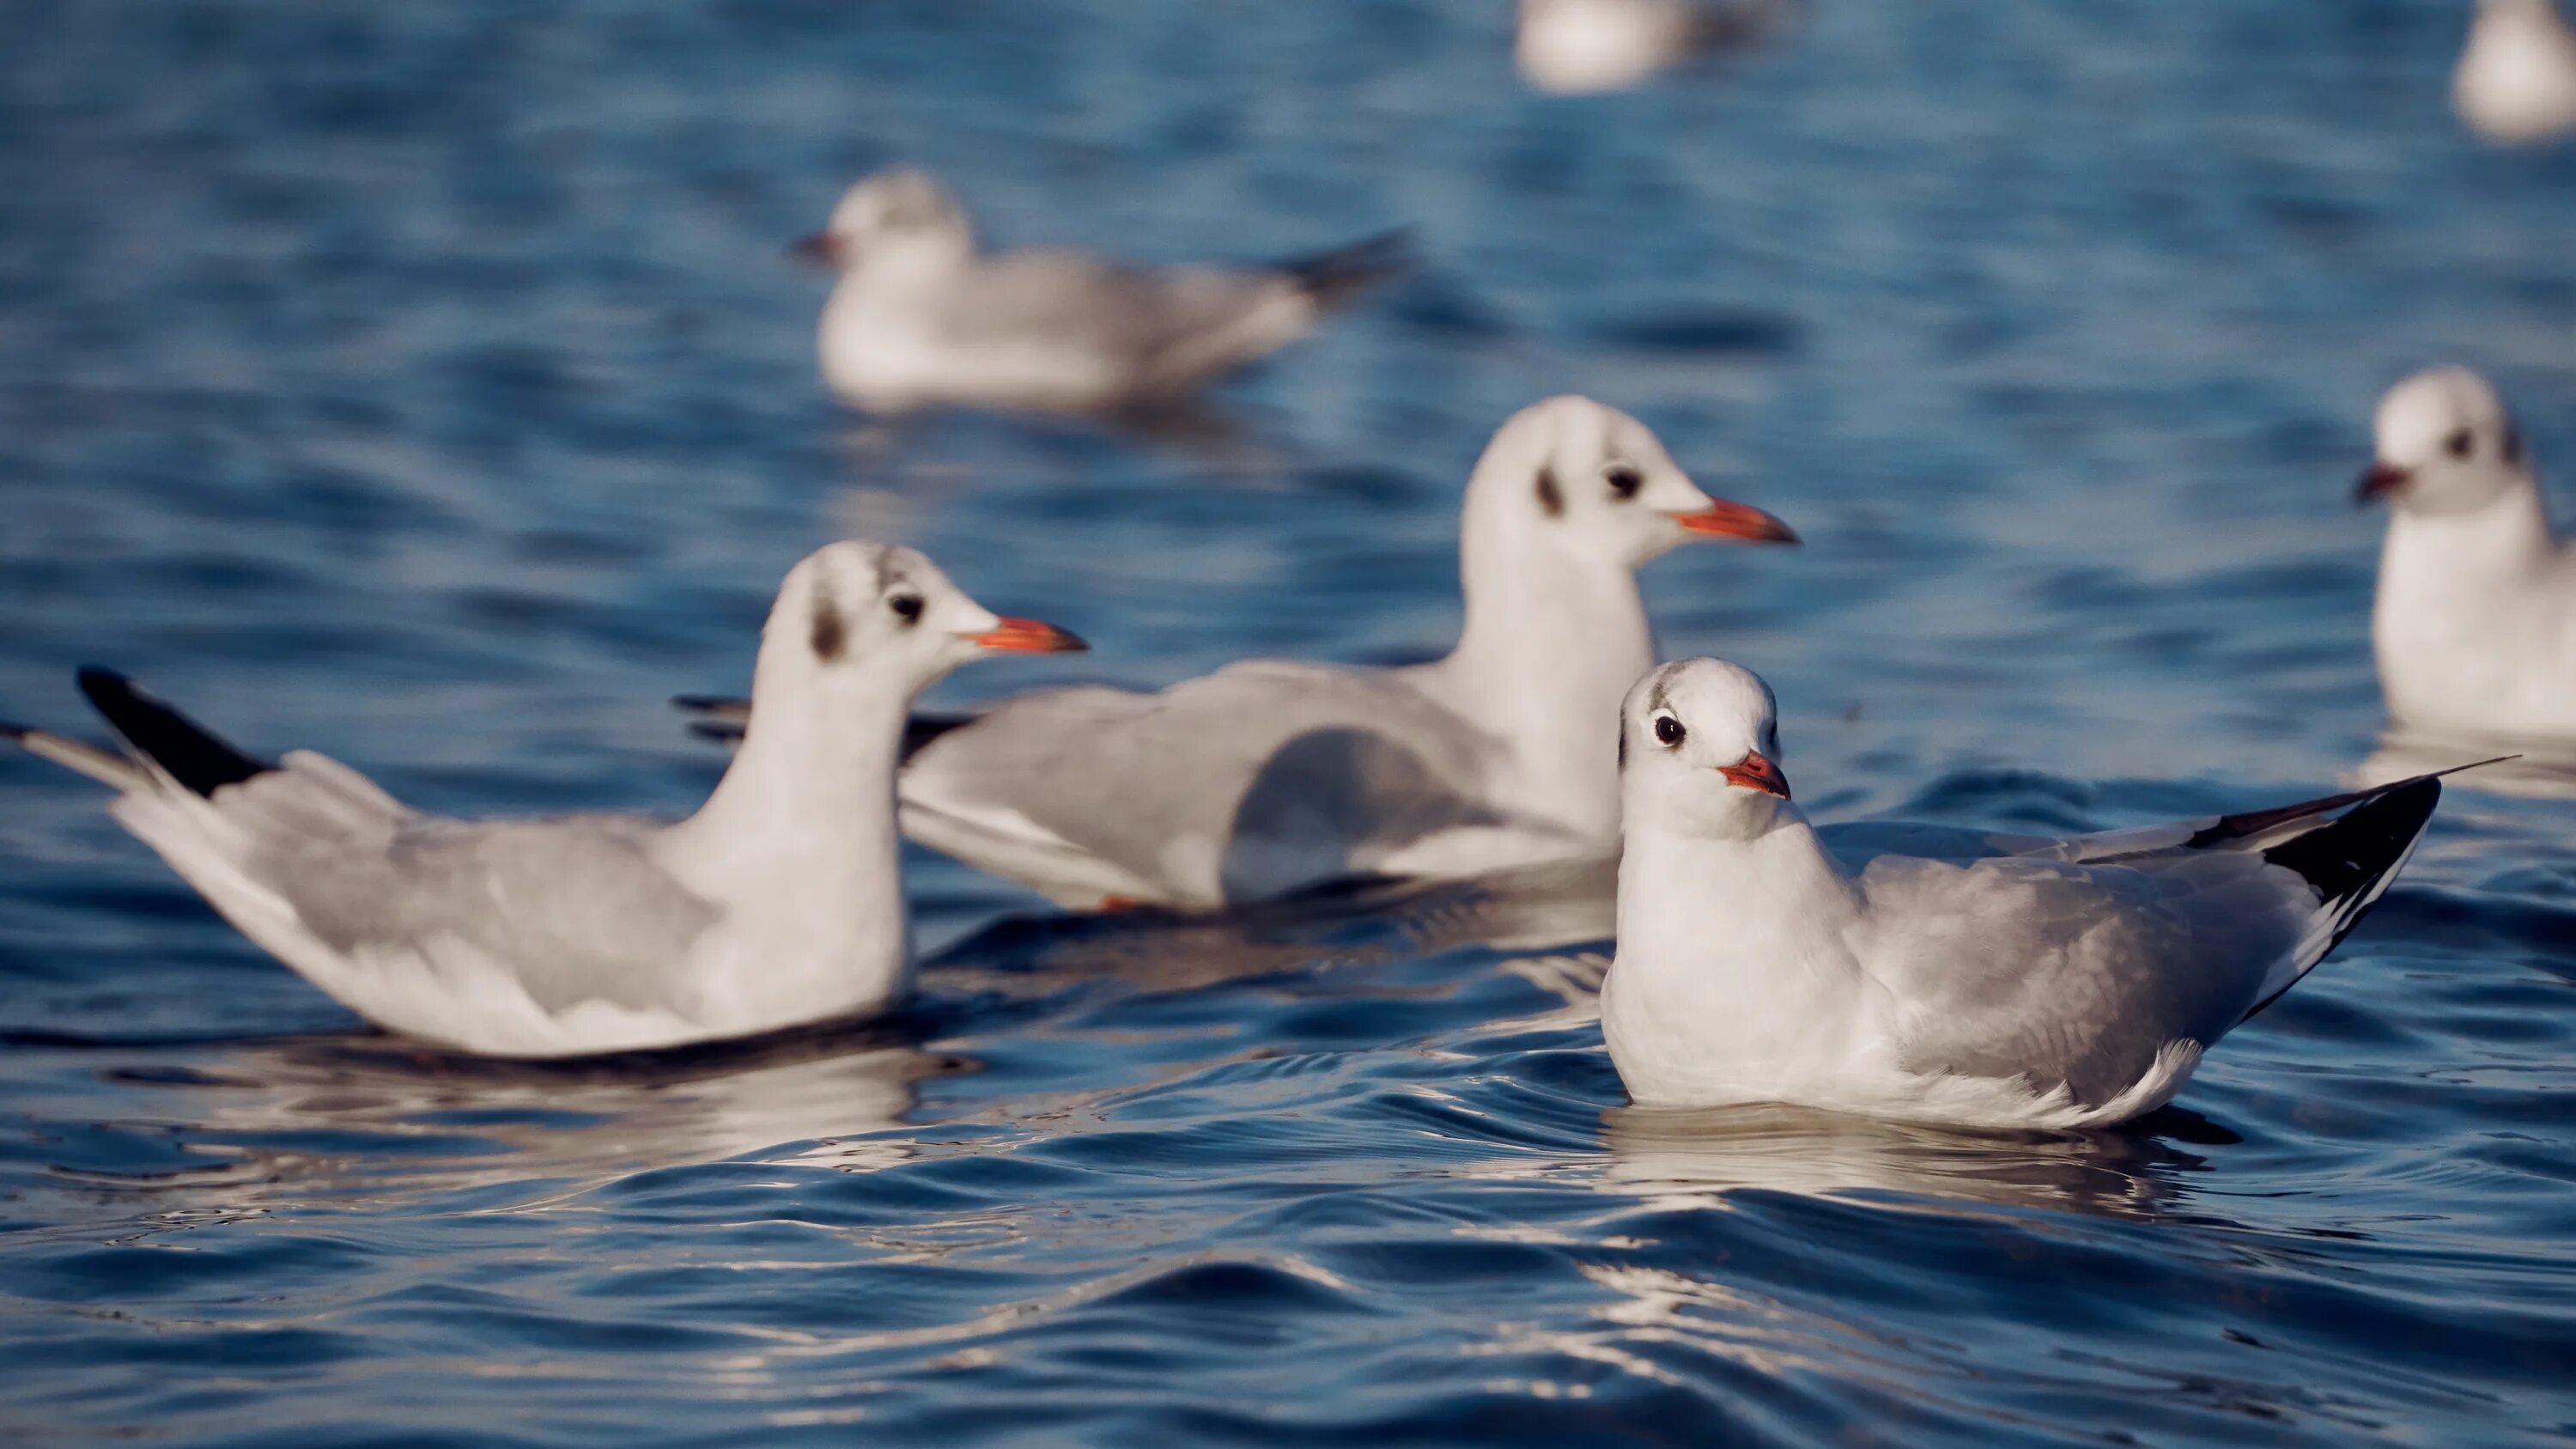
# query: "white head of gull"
2516, 80
777, 903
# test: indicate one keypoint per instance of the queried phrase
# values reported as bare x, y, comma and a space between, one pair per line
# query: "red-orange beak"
1028, 636
1741, 522
1756, 772
2378, 481
822, 249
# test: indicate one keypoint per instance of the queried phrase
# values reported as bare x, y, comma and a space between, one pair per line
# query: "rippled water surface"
422, 384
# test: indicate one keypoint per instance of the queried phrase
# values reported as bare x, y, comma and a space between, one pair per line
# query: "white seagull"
777, 903
1575, 47
1268, 775
921, 316
2000, 980
2475, 624
2516, 80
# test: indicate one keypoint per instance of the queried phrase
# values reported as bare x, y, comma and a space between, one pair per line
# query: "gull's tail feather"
186, 751
723, 719
1332, 278
2348, 860
105, 766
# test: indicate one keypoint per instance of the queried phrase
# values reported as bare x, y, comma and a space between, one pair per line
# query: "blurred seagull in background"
1572, 47
921, 316
777, 903
2516, 80
2475, 624
1268, 776
2003, 981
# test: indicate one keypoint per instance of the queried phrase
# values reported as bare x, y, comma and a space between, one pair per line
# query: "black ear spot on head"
1623, 744
1551, 498
2459, 443
830, 636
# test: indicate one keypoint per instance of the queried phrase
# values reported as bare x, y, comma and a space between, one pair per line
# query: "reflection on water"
1526, 909
1703, 1157
2537, 769
300, 1122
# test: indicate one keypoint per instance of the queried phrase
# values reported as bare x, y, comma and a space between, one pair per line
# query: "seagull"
2475, 625
2516, 80
777, 903
1574, 47
921, 316
1268, 776
1997, 981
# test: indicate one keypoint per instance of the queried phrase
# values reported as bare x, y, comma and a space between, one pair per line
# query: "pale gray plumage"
1948, 974
777, 903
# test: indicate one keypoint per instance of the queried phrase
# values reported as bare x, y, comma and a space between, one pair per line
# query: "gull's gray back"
2077, 973
574, 906
1256, 757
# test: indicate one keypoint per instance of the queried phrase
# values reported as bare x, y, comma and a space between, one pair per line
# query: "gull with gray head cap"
921, 315
778, 902
2002, 980
2475, 622
1268, 776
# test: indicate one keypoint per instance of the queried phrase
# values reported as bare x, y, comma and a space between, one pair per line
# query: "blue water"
422, 384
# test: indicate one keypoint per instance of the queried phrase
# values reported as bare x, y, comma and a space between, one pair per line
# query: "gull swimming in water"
1573, 47
779, 902
922, 316
2475, 623
2516, 80
2003, 980
1270, 775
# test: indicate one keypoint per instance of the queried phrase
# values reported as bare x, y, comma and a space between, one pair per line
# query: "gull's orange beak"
822, 249
1739, 521
2378, 481
1756, 772
1028, 636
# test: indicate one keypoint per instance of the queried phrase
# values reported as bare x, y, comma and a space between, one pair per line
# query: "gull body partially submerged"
922, 315
778, 902
2000, 980
2475, 621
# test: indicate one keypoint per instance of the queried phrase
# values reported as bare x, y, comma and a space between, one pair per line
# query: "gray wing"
571, 907
1168, 326
1256, 758
574, 907
2078, 963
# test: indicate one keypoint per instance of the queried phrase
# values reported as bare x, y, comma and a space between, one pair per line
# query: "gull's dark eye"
907, 607
1669, 730
1624, 480
2459, 443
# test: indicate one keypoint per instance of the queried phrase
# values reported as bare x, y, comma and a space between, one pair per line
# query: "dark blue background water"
422, 384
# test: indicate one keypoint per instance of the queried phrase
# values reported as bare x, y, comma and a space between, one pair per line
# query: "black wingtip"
1335, 277
184, 749
702, 703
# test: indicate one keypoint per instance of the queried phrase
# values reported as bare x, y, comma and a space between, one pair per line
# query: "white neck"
2440, 573
798, 845
1552, 642
1736, 974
